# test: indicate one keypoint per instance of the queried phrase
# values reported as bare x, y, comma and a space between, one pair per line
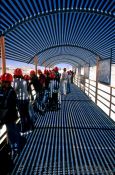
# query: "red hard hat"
26, 77
39, 71
56, 69
6, 77
32, 72
46, 71
18, 72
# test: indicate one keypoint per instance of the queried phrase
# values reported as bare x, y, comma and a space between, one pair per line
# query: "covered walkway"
78, 139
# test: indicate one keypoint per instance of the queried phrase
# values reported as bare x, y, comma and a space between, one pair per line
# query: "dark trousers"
23, 107
13, 135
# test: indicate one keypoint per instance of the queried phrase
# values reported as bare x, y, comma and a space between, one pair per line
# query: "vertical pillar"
36, 68
97, 76
3, 59
36, 63
45, 63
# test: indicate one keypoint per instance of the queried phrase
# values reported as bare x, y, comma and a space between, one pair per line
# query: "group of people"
16, 95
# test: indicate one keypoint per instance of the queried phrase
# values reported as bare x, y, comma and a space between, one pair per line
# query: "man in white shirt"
64, 81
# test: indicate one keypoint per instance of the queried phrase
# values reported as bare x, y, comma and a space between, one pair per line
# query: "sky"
17, 64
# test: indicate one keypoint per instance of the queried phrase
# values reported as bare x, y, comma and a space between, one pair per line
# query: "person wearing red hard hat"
27, 78
32, 73
39, 71
56, 69
57, 77
18, 73
8, 100
44, 80
34, 81
52, 78
20, 86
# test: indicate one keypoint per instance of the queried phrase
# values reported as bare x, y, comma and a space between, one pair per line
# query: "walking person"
8, 100
64, 81
69, 82
20, 86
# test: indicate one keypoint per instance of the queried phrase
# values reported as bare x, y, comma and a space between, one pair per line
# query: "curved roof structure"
71, 31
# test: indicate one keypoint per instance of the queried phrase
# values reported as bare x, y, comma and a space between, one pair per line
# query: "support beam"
3, 59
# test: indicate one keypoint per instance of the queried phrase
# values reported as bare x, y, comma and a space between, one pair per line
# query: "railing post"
3, 59
110, 101
88, 87
97, 76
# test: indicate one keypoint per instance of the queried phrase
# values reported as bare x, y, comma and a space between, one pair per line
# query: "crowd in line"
16, 95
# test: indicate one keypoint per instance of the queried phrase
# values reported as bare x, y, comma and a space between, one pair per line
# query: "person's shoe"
14, 153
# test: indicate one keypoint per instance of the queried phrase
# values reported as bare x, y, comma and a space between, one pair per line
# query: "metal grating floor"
78, 139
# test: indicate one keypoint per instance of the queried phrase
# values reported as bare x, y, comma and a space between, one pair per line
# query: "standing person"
64, 81
69, 82
20, 86
52, 82
44, 80
8, 100
31, 110
34, 81
57, 77
72, 76
42, 92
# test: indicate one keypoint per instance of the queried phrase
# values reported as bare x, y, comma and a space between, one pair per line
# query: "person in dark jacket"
34, 81
9, 97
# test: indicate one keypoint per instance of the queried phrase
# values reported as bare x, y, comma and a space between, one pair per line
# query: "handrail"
87, 88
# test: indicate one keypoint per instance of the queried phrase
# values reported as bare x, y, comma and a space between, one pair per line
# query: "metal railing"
104, 97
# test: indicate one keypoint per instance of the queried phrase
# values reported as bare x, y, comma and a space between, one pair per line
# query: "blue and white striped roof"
71, 31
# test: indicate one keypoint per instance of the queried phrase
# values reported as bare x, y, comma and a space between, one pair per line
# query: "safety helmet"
26, 77
56, 69
39, 71
18, 72
7, 77
32, 72
46, 71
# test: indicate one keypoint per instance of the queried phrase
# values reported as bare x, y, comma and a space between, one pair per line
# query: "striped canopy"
58, 31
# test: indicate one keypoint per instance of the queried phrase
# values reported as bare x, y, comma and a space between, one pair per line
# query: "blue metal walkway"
78, 139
